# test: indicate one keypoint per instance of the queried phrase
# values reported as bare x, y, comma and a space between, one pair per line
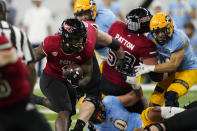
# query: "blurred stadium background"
62, 8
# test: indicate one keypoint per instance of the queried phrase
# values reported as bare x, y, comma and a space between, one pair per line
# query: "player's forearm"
106, 40
84, 81
165, 67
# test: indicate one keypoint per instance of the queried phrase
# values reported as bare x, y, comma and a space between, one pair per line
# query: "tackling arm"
131, 98
173, 64
170, 66
104, 39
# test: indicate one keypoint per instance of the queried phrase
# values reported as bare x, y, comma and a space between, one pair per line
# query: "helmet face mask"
73, 34
81, 6
161, 27
138, 20
84, 15
161, 35
73, 45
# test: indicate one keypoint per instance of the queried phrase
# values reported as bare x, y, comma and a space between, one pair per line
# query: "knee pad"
93, 100
171, 99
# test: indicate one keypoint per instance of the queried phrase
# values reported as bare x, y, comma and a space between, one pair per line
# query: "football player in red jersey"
73, 44
117, 73
16, 111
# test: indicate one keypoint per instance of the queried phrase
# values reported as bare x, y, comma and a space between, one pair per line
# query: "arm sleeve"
180, 44
183, 121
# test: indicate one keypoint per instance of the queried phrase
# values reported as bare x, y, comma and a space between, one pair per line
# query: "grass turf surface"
51, 116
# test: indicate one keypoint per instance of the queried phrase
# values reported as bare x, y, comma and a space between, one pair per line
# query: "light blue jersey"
117, 117
193, 41
179, 13
104, 20
178, 41
115, 7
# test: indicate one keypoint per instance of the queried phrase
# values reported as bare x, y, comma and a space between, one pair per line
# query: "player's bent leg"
86, 111
41, 101
171, 99
157, 97
62, 121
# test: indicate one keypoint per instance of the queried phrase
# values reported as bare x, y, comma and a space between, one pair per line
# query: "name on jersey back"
123, 41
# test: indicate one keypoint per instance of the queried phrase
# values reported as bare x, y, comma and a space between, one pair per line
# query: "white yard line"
47, 111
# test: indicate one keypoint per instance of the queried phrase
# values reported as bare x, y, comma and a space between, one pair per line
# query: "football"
76, 69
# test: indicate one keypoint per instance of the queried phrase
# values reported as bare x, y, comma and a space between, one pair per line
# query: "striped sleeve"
28, 55
23, 46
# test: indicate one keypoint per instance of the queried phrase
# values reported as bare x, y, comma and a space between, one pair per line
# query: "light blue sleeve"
104, 19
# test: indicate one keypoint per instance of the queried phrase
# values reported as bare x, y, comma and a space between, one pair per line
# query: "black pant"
184, 121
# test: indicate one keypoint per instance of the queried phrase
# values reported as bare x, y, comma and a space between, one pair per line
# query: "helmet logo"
168, 19
145, 19
68, 28
92, 2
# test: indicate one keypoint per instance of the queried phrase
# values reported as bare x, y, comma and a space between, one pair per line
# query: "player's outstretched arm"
170, 66
39, 53
173, 64
104, 39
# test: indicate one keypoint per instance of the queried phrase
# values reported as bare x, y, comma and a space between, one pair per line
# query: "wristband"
115, 45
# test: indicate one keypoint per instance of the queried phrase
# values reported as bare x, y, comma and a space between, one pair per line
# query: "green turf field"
189, 97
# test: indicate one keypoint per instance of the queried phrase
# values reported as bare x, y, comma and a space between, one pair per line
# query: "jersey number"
129, 60
5, 89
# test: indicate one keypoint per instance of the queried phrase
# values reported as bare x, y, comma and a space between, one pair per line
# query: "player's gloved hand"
133, 81
72, 76
143, 69
120, 65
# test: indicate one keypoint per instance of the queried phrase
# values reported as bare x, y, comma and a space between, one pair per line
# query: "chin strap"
159, 127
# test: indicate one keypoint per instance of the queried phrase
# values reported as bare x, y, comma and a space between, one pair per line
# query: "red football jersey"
57, 59
136, 46
14, 86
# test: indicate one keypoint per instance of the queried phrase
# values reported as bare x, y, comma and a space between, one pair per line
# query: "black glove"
123, 67
72, 76
120, 65
157, 125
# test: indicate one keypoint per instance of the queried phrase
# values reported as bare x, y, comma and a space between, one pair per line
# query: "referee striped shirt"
19, 40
